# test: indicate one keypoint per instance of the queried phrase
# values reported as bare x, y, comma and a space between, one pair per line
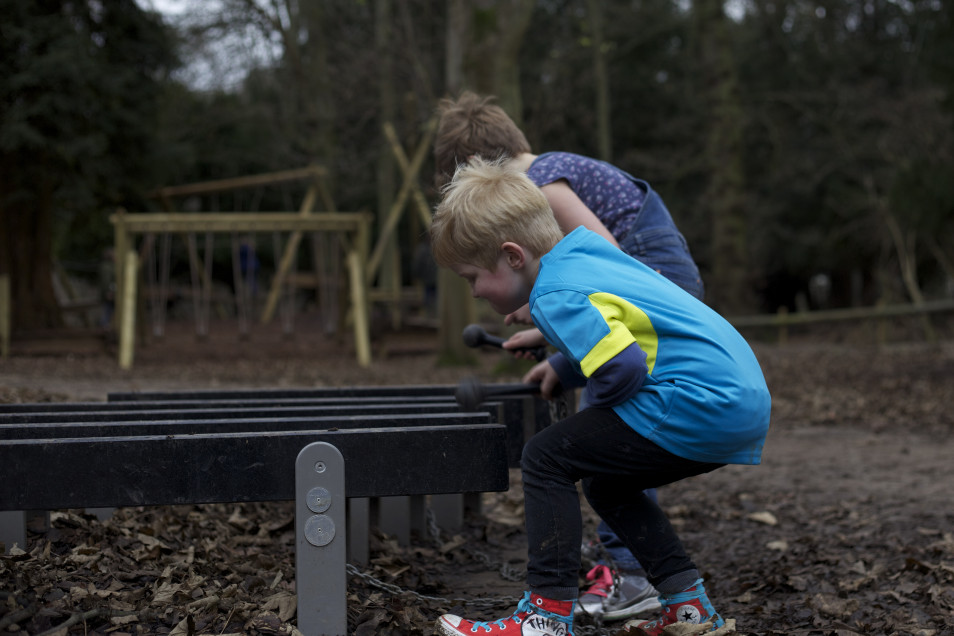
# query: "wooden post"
397, 208
127, 328
6, 311
121, 243
419, 201
354, 226
359, 307
291, 248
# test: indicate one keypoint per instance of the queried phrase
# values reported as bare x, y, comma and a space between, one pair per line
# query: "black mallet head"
471, 393
474, 336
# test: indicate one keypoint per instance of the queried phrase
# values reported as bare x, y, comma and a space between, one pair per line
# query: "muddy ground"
846, 528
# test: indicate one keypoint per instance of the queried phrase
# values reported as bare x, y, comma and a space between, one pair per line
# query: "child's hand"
527, 340
548, 379
519, 317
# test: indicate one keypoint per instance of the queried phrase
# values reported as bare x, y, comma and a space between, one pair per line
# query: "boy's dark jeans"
615, 464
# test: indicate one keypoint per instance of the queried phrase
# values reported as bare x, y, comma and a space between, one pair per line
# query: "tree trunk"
729, 287
307, 92
26, 251
603, 125
390, 272
483, 43
494, 31
456, 307
317, 93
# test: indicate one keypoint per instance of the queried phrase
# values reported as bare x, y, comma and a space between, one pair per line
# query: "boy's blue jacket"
671, 367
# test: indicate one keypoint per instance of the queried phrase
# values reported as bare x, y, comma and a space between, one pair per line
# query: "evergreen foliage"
841, 123
79, 92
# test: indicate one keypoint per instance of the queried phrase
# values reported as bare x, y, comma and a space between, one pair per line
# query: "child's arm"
619, 378
570, 212
544, 374
523, 343
597, 347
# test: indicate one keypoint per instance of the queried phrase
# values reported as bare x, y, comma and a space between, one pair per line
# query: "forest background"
793, 140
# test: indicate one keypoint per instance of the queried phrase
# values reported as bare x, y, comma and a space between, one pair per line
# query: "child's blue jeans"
616, 464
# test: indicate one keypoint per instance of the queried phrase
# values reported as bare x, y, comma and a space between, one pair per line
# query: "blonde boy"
672, 391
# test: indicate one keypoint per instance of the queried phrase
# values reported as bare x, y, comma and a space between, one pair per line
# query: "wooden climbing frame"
352, 228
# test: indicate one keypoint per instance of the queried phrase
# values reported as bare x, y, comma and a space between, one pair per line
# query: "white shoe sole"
645, 605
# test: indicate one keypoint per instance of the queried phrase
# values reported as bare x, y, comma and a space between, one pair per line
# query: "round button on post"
319, 530
318, 499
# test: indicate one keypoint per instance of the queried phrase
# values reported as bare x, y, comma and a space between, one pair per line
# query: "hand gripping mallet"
475, 336
471, 393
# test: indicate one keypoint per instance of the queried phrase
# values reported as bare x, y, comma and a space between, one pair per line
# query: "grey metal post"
103, 514
359, 522
13, 529
320, 541
448, 512
394, 517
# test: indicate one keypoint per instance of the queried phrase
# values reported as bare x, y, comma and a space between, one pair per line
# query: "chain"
506, 572
400, 591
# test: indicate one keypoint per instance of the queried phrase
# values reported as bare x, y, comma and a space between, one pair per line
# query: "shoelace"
698, 592
602, 578
523, 607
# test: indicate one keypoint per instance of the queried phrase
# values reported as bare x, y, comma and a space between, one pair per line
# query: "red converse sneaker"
689, 606
535, 616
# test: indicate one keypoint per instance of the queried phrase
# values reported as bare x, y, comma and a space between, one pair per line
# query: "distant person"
249, 266
674, 391
625, 211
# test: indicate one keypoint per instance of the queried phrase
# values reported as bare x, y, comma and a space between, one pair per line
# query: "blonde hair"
485, 205
473, 125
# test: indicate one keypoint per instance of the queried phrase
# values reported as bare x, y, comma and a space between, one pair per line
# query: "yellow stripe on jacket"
627, 324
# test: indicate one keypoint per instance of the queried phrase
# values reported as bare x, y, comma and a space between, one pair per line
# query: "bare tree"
730, 285
600, 74
483, 43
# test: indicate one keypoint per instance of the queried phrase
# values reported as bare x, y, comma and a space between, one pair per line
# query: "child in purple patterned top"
612, 203
581, 191
609, 192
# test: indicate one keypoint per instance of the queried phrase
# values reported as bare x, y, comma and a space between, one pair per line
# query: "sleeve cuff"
569, 377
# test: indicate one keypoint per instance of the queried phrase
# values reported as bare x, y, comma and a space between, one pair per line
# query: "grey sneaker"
613, 596
634, 596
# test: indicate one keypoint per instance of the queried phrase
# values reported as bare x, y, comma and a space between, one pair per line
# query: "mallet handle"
474, 336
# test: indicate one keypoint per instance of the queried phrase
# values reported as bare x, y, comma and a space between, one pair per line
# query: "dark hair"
473, 125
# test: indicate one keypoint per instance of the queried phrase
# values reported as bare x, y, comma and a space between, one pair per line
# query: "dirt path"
846, 528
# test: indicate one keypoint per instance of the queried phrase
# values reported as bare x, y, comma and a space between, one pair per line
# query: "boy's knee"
600, 492
532, 455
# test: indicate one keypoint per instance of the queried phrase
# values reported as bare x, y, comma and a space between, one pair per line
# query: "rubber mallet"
471, 393
475, 336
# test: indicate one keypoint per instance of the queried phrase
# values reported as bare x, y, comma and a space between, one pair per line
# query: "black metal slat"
246, 402
129, 456
259, 466
117, 429
209, 413
409, 390
507, 409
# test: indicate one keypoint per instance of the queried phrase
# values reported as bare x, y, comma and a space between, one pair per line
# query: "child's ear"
516, 256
